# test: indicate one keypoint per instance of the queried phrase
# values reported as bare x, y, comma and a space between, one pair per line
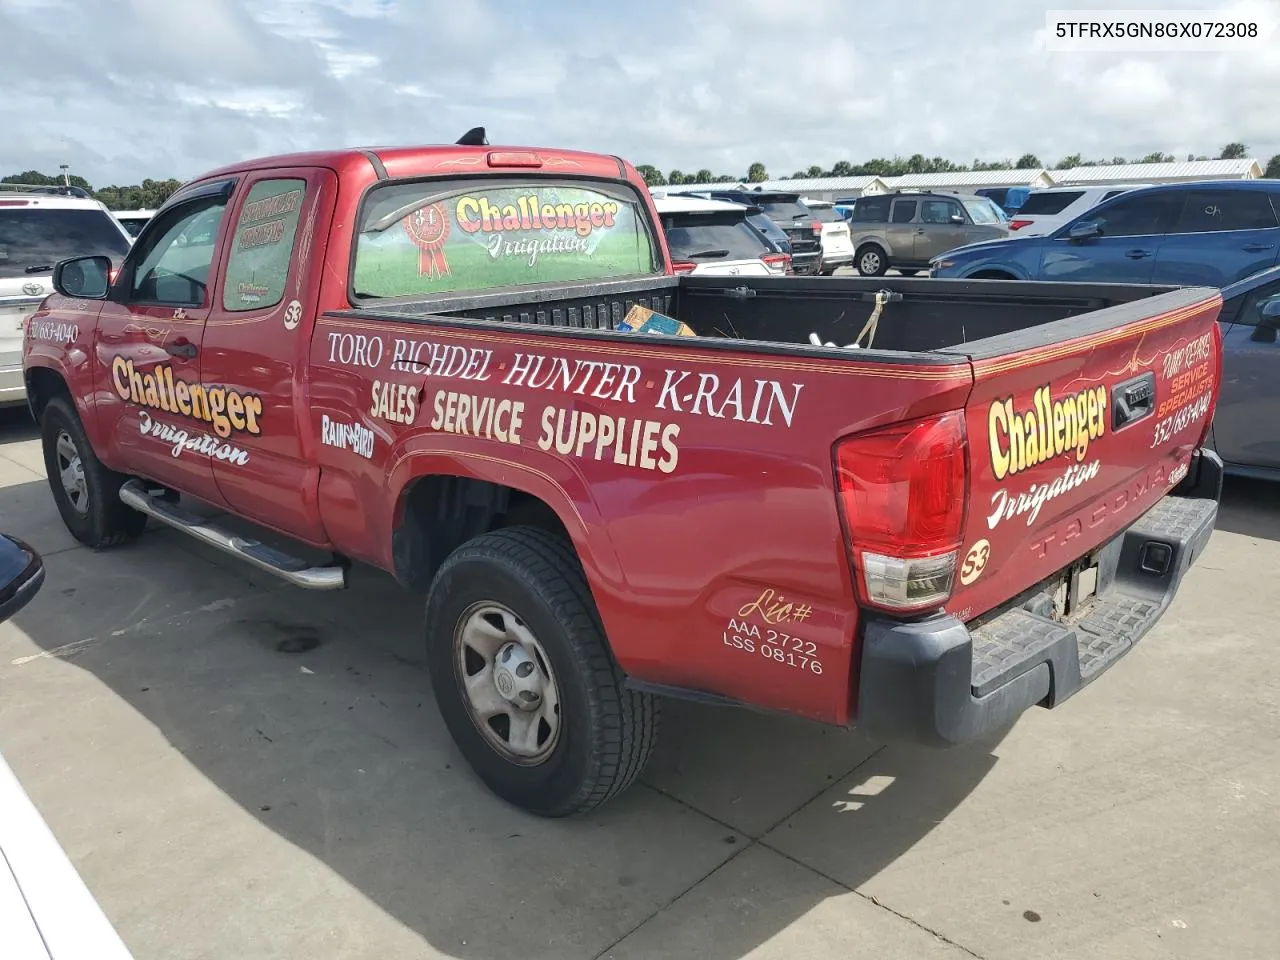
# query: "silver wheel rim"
870, 263
71, 473
507, 683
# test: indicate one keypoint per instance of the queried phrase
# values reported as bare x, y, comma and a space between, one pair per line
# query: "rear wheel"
87, 494
871, 261
524, 679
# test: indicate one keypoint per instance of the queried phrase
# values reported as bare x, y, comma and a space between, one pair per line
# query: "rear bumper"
810, 261
936, 682
13, 388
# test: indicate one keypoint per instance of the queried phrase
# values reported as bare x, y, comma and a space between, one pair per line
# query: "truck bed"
922, 316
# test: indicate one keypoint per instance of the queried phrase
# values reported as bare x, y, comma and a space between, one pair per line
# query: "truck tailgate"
1070, 442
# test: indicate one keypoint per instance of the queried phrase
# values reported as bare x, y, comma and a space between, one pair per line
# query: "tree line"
146, 195
918, 163
152, 193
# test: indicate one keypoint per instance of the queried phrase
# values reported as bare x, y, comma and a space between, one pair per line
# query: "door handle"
1258, 247
182, 347
1138, 254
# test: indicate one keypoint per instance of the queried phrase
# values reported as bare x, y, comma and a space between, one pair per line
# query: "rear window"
871, 210
767, 227
1047, 204
826, 214
41, 236
784, 209
700, 238
422, 238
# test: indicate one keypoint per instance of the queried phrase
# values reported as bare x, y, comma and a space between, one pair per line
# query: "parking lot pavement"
240, 769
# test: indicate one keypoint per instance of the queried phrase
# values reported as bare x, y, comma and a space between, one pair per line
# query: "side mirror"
956, 218
21, 575
1268, 321
1085, 230
85, 278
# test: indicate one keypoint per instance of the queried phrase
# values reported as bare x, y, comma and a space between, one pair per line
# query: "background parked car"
837, 246
37, 229
774, 234
133, 220
802, 228
714, 238
1246, 430
1210, 233
1044, 211
1008, 199
907, 230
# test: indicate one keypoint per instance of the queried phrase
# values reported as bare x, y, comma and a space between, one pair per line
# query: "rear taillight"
778, 261
1019, 224
903, 492
681, 267
817, 228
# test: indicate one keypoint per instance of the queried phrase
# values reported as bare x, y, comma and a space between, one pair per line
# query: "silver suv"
39, 227
907, 230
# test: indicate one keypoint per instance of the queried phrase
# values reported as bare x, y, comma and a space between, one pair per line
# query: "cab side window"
904, 211
938, 211
262, 247
174, 257
1145, 215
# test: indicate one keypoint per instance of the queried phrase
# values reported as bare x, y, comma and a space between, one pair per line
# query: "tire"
871, 261
907, 271
519, 596
991, 275
90, 504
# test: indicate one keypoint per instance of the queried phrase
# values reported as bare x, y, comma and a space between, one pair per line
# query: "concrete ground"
242, 770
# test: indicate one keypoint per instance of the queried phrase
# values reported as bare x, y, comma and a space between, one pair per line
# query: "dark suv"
802, 228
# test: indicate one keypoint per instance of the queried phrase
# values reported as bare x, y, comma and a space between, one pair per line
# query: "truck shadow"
313, 715
1250, 507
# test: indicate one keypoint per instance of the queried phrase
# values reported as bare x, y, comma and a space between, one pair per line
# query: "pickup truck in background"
412, 358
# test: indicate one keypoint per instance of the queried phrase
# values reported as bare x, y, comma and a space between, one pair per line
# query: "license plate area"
1077, 588
14, 317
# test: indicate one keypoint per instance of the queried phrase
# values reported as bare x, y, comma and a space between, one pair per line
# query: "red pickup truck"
414, 358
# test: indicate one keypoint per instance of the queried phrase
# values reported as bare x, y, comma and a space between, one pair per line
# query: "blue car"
1209, 233
1246, 423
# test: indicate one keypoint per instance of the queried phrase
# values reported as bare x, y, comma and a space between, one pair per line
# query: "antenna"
474, 137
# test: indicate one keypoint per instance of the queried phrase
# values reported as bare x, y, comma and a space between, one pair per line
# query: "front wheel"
86, 492
524, 678
907, 271
871, 261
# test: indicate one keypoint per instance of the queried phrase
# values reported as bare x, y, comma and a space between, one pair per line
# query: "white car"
37, 229
46, 911
1046, 210
715, 238
837, 242
133, 220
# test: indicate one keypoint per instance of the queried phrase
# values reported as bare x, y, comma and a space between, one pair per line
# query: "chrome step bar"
293, 569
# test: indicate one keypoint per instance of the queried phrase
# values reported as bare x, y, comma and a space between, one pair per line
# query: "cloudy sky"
126, 89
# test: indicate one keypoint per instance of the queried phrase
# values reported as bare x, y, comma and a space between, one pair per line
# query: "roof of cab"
437, 160
678, 203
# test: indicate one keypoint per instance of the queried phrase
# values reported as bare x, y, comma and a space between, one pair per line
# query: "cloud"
126, 89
